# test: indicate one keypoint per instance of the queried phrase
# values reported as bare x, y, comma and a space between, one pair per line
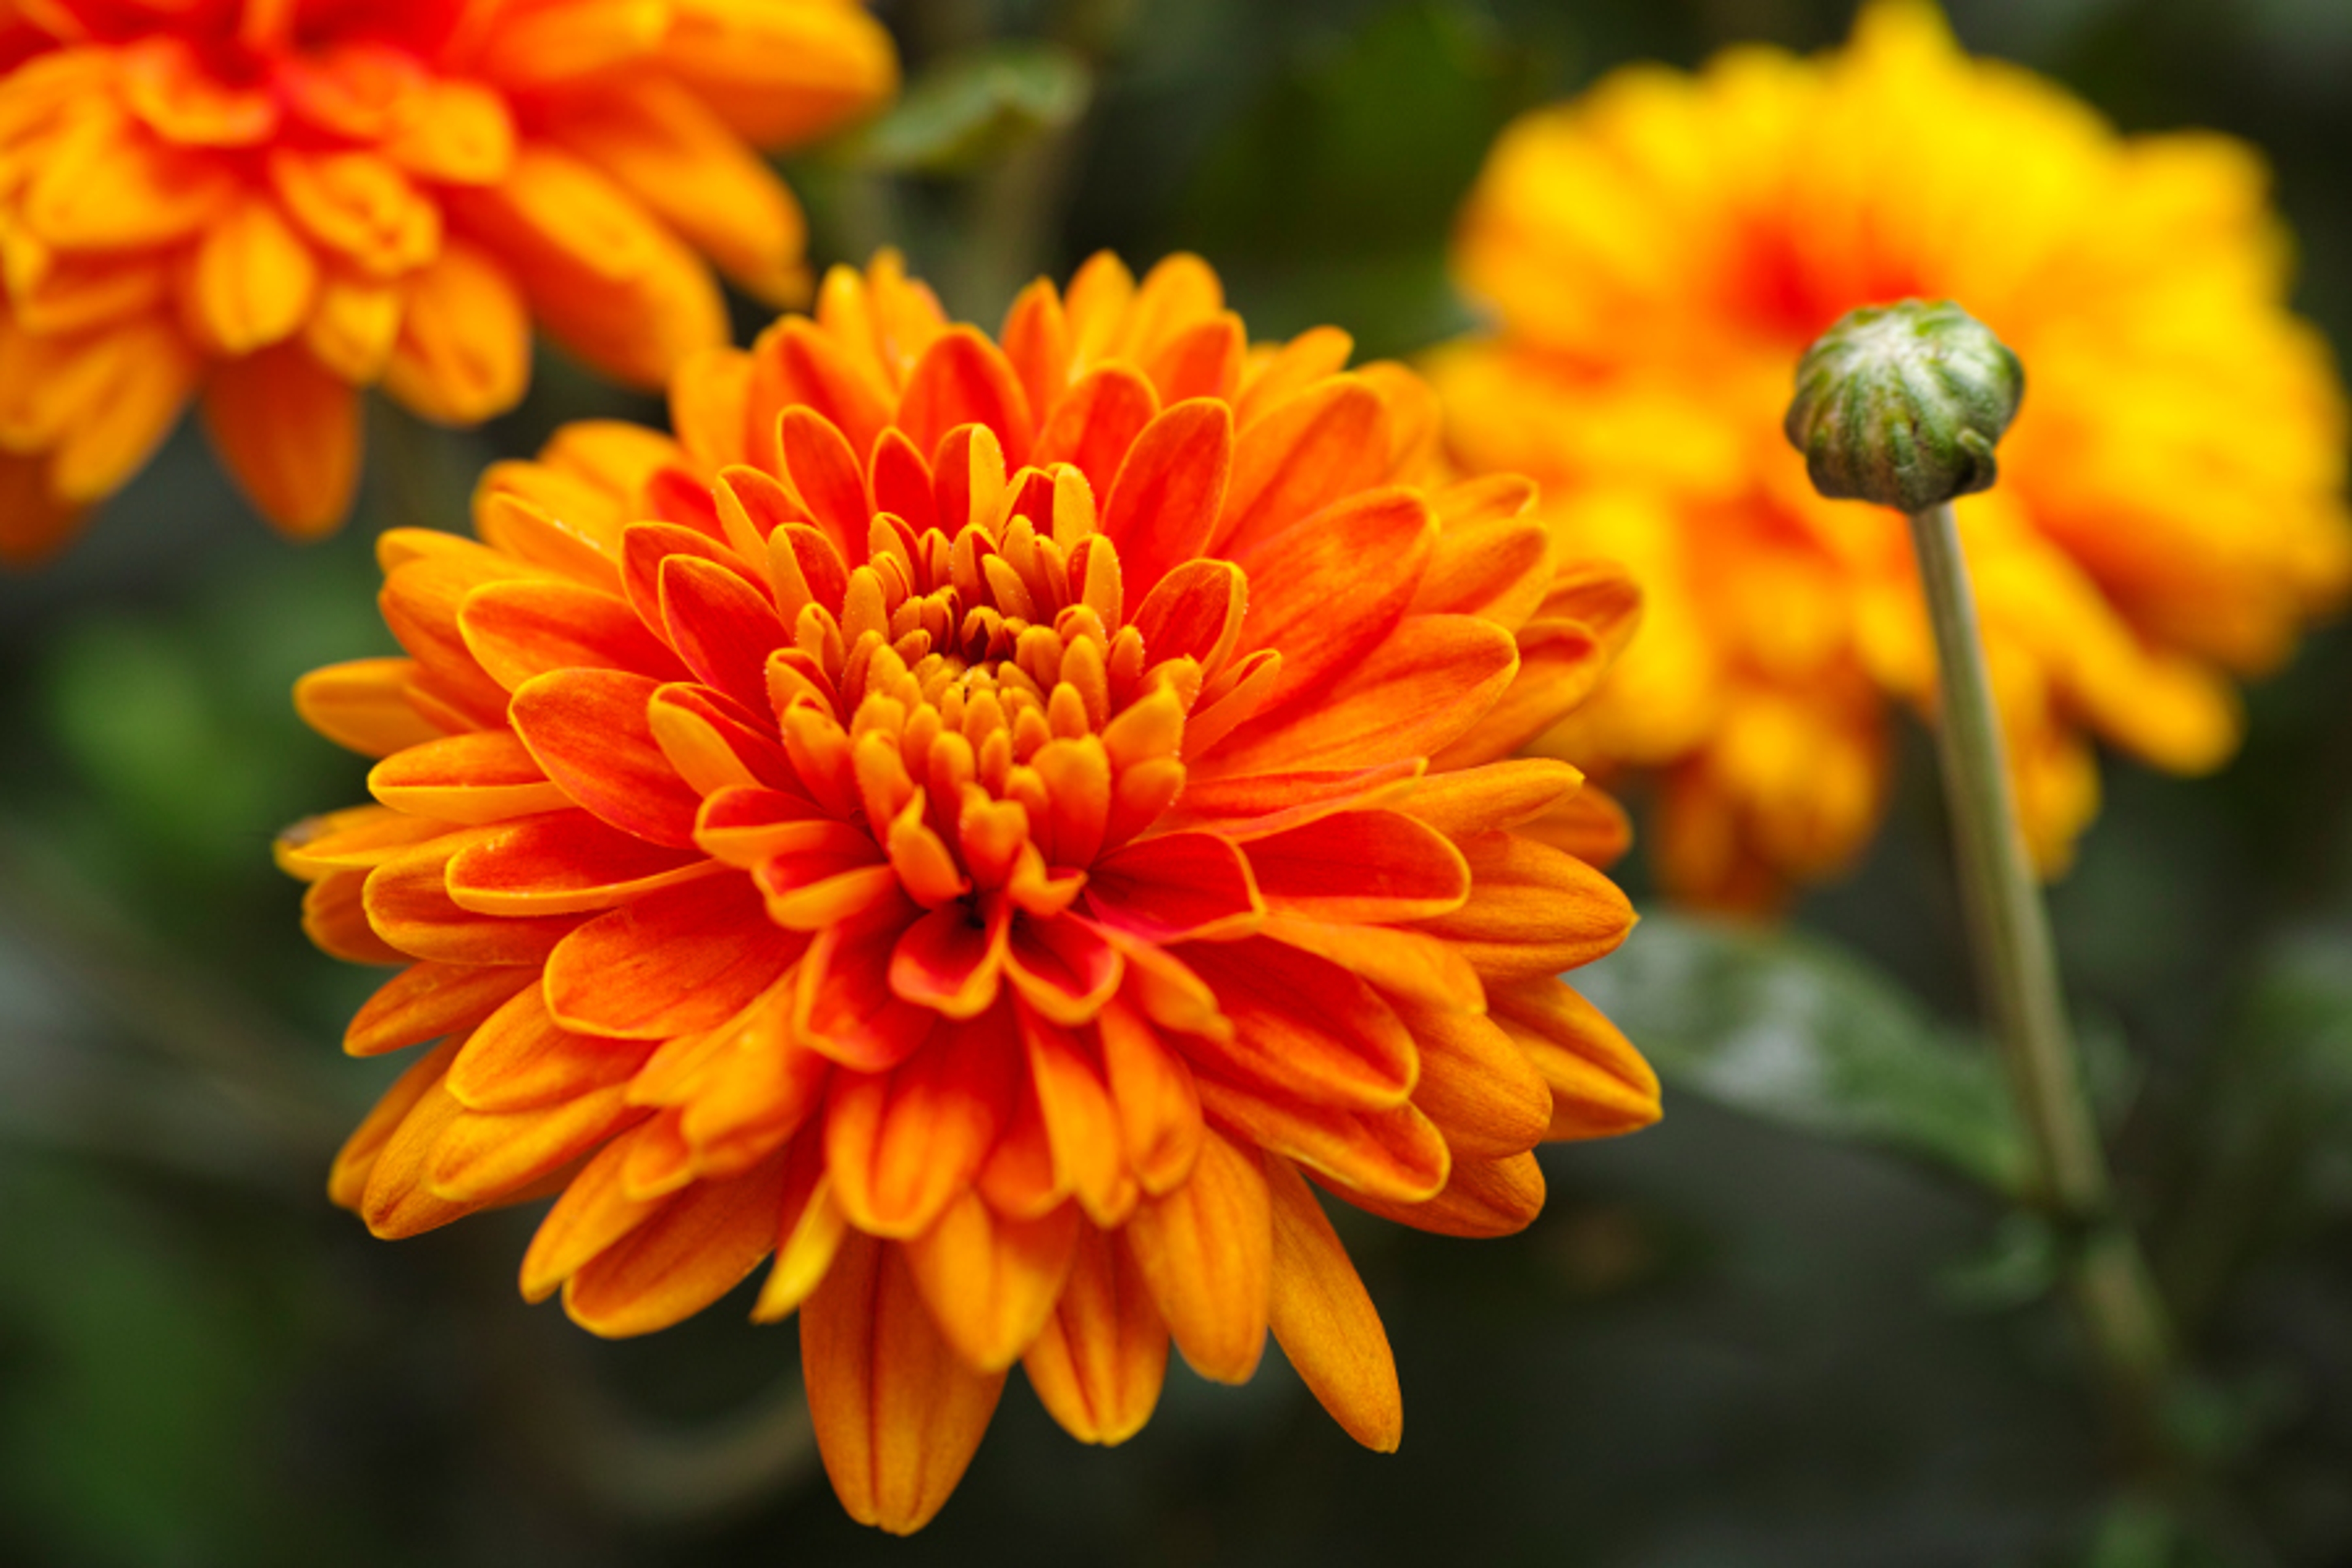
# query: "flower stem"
2017, 969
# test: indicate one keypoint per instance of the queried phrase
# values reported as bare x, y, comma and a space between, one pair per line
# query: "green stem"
2018, 970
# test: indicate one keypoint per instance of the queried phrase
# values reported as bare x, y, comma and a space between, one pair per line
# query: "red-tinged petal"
1164, 988
408, 904
594, 1212
1481, 1199
1327, 442
1099, 1361
713, 743
749, 824
1154, 1098
950, 962
1176, 887
517, 630
427, 1001
1477, 1085
1499, 569
898, 481
1498, 795
1081, 1124
1206, 1254
699, 1246
1532, 909
991, 1282
521, 1059
1062, 968
363, 706
1397, 1153
964, 379
1599, 1084
289, 431
357, 839
722, 626
1561, 664
901, 1146
647, 547
1203, 361
1429, 682
1329, 589
1324, 1319
1163, 505
589, 729
843, 1005
334, 917
1194, 611
566, 862
1257, 806
796, 363
356, 1161
1407, 965
1096, 421
681, 961
823, 469
1367, 867
752, 504
1017, 1180
813, 891
1303, 1026
897, 1412
487, 776
483, 1156
1036, 339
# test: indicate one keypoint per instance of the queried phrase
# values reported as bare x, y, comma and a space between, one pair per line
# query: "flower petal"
1302, 1028
1367, 867
1100, 1359
1324, 1319
483, 777
566, 862
1206, 1254
289, 432
1599, 1084
521, 1059
1397, 1152
1176, 887
589, 729
700, 1246
901, 1145
1532, 909
991, 1282
686, 958
522, 629
1481, 1199
427, 1001
1163, 504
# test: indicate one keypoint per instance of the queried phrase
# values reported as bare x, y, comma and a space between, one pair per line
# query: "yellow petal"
254, 278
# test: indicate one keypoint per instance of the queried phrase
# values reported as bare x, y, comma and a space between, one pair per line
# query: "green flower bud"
1901, 405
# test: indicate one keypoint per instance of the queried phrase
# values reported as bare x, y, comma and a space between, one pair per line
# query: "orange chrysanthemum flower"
1008, 821
265, 203
2169, 512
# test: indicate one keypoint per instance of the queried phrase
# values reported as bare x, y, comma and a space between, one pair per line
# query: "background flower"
266, 204
1009, 818
1661, 251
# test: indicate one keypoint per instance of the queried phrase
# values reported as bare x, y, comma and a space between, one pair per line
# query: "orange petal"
686, 959
289, 432
699, 1246
1599, 1084
426, 1000
899, 1146
1194, 611
1206, 1253
482, 1156
1163, 505
1081, 1122
1326, 442
809, 1237
1498, 796
347, 1183
714, 745
397, 1202
843, 1004
566, 862
1176, 887
1367, 867
950, 962
1303, 1028
334, 918
1329, 589
1324, 1319
897, 1412
991, 1282
482, 777
588, 728
1481, 1199
1398, 1153
1204, 360
463, 353
964, 379
1153, 1095
356, 838
1099, 1361
1095, 422
426, 580
1064, 968
721, 625
363, 706
594, 1212
408, 904
1499, 569
1532, 909
523, 628
1407, 965
253, 279
359, 205
1477, 1086
518, 1059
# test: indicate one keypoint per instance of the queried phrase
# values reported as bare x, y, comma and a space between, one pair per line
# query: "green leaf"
974, 107
1799, 1032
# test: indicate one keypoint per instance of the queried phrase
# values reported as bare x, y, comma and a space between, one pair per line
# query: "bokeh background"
1783, 1328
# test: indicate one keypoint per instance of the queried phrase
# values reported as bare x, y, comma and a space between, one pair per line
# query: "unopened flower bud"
1901, 405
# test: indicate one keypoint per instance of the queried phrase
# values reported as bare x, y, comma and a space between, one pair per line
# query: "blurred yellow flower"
2169, 515
265, 203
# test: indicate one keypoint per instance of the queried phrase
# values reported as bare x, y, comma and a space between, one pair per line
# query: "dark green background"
1746, 1337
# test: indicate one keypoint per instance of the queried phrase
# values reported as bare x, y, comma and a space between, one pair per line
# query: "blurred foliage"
1799, 1323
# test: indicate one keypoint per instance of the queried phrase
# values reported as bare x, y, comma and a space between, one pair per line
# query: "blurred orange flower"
1009, 820
265, 203
1661, 252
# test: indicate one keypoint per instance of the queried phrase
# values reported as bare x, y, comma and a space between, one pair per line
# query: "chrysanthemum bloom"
1010, 821
264, 205
1660, 255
